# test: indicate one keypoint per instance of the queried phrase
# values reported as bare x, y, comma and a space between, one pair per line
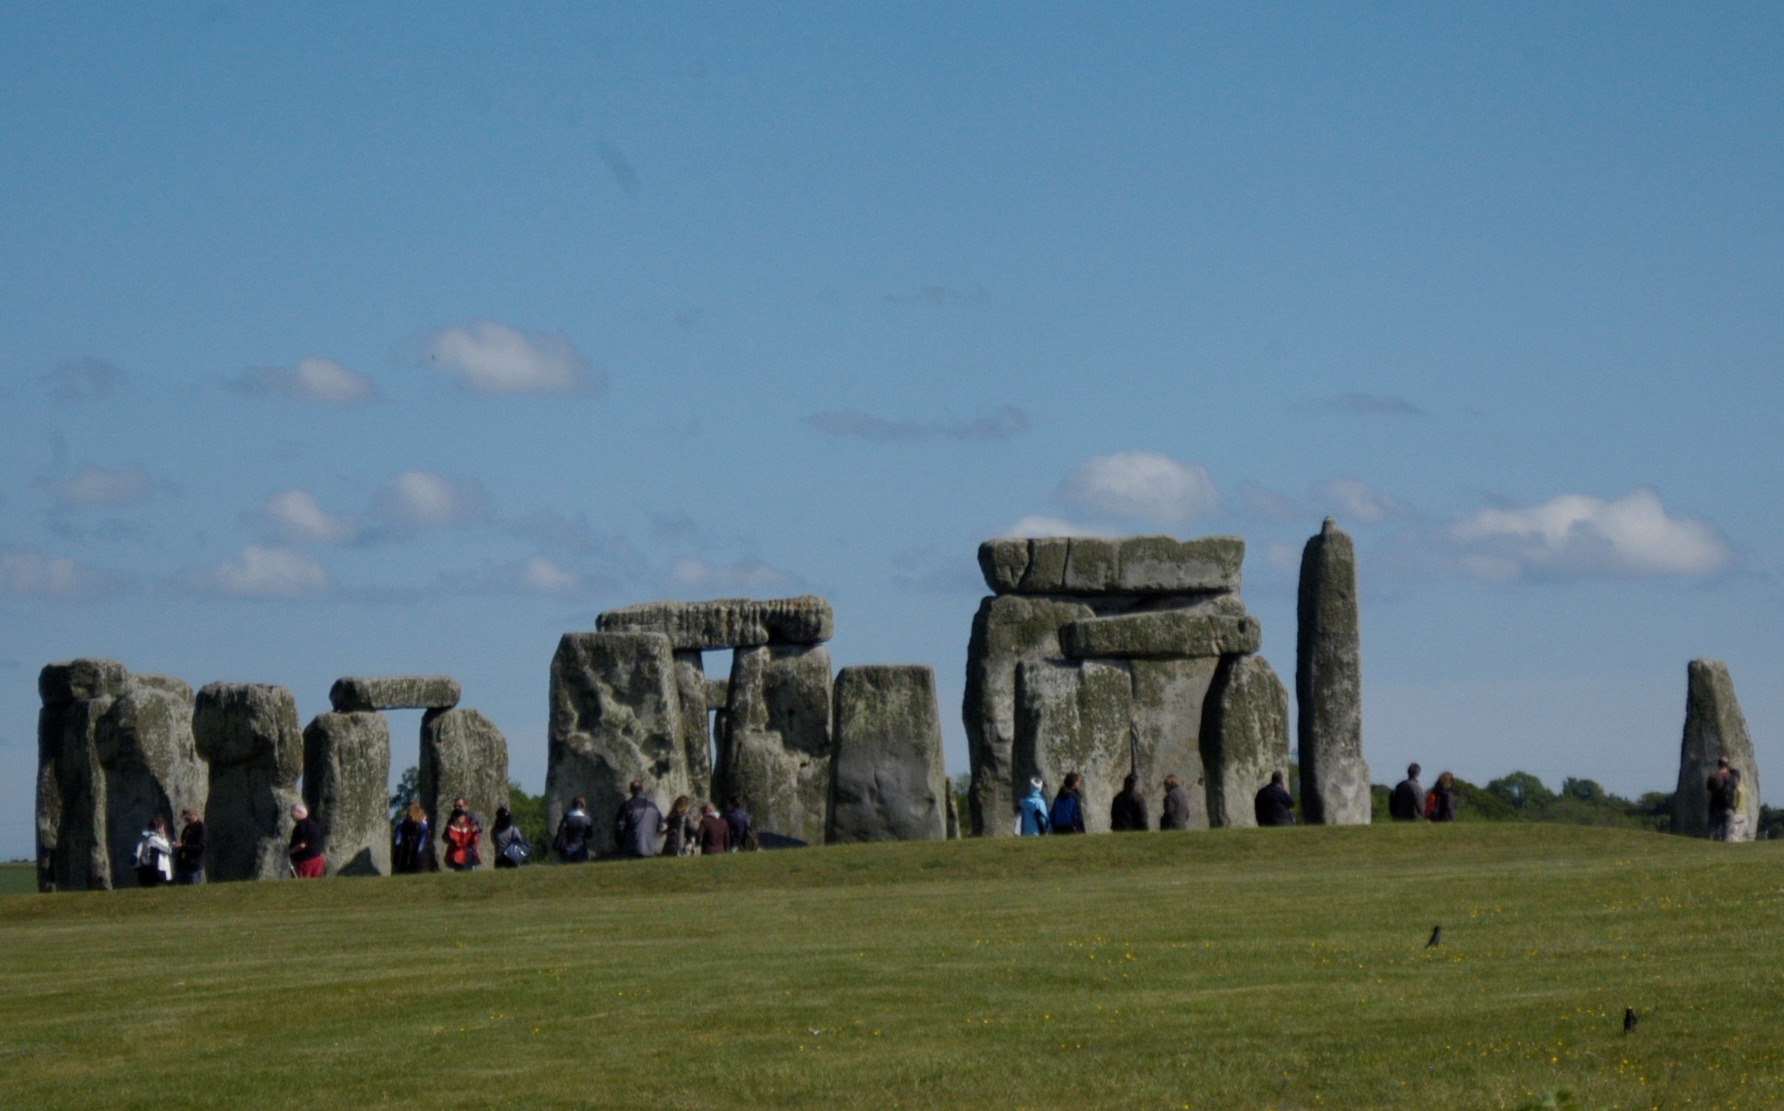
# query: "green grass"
1242, 968
17, 878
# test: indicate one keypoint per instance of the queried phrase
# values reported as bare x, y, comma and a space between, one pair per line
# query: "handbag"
515, 852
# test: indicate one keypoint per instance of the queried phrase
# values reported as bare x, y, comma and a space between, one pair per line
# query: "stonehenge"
1247, 711
1096, 656
1328, 683
346, 769
152, 767
1714, 727
463, 754
248, 734
889, 782
353, 694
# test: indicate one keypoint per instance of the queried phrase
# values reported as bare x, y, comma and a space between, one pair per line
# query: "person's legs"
310, 869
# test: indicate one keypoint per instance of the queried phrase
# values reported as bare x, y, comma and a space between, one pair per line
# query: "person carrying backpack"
1067, 815
637, 824
511, 848
574, 833
154, 856
1031, 812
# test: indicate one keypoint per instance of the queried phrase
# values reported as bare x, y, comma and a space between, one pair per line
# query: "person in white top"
154, 855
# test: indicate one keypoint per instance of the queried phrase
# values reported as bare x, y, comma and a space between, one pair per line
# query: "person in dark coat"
1068, 806
1720, 790
1128, 811
507, 841
1407, 803
739, 820
682, 829
714, 832
638, 824
306, 844
188, 855
1174, 814
1274, 806
1442, 804
409, 853
574, 832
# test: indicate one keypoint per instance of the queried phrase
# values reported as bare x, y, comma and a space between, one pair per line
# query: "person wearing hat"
1031, 813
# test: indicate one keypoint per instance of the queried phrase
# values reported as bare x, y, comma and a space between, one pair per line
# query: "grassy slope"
1279, 968
18, 879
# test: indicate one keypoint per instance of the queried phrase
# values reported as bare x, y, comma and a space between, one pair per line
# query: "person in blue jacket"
1068, 806
1032, 811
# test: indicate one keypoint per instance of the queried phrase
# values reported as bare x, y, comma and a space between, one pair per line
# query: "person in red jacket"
461, 842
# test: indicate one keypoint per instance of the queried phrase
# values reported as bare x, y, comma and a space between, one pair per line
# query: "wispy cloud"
1036, 526
927, 571
1581, 536
695, 578
295, 517
1356, 500
314, 379
1145, 486
416, 499
486, 357
94, 486
83, 379
26, 573
259, 571
1374, 405
1000, 424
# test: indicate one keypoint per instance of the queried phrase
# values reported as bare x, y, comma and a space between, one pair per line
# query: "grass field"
1243, 968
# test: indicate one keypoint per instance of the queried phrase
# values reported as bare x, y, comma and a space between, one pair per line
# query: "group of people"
1273, 806
1409, 802
412, 845
159, 859
640, 829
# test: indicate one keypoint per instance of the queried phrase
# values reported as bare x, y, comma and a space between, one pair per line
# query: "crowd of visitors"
1273, 806
641, 830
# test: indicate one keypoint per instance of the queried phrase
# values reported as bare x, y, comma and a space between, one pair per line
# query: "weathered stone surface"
1075, 717
1168, 698
889, 782
1160, 635
1328, 683
152, 768
248, 733
354, 694
1082, 565
616, 716
1007, 630
462, 753
72, 849
727, 623
346, 776
696, 738
77, 680
718, 692
775, 748
1714, 727
1244, 738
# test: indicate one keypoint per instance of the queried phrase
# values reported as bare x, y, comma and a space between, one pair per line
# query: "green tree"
407, 788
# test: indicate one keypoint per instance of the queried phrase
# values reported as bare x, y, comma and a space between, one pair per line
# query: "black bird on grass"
1629, 1020
1436, 936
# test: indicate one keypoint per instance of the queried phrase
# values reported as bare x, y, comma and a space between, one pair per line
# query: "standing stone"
152, 768
346, 776
462, 753
354, 694
249, 734
889, 780
1244, 738
1328, 684
72, 849
1007, 630
1167, 722
776, 748
1714, 727
616, 716
1074, 717
696, 738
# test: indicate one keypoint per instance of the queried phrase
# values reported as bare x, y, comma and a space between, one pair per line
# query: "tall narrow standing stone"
1328, 684
889, 782
696, 737
72, 850
1714, 726
152, 768
346, 776
249, 734
462, 753
1244, 738
776, 747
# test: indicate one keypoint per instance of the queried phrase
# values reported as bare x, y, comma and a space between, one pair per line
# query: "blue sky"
369, 339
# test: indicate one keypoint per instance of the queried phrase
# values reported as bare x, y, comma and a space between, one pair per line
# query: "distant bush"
1521, 797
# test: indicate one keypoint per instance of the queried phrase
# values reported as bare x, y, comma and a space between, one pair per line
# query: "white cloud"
34, 575
493, 358
746, 577
1577, 535
296, 518
315, 379
1145, 486
1038, 527
1361, 502
541, 574
262, 572
112, 489
417, 499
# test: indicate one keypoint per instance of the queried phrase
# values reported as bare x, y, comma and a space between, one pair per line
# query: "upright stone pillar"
346, 779
616, 716
249, 734
889, 782
1074, 717
1168, 733
1714, 727
1244, 738
72, 849
696, 738
152, 768
462, 753
776, 747
1328, 683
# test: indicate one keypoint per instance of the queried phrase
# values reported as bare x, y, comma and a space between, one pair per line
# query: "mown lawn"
1256, 968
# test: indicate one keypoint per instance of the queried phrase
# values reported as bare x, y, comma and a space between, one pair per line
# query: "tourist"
188, 855
511, 848
1737, 817
306, 844
1406, 804
1128, 811
574, 832
409, 853
154, 855
682, 829
459, 803
743, 833
462, 835
1441, 806
1067, 815
714, 831
1174, 813
637, 824
1274, 806
1721, 789
1031, 812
